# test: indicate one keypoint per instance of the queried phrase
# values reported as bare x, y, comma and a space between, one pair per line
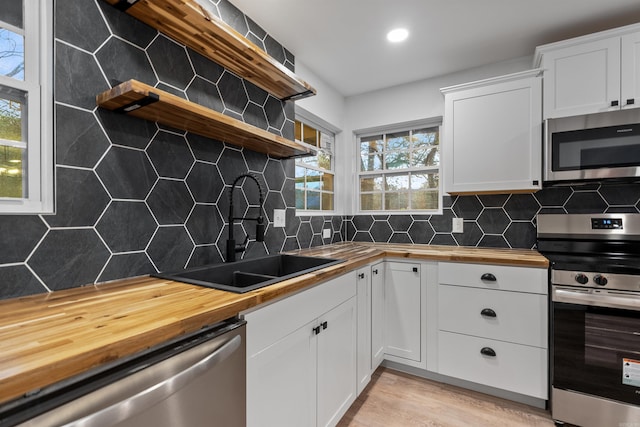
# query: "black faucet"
232, 248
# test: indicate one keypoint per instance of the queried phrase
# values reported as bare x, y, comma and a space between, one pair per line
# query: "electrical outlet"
326, 233
457, 225
279, 217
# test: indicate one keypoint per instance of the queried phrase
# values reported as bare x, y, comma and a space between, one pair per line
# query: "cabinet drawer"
517, 368
519, 279
519, 317
268, 324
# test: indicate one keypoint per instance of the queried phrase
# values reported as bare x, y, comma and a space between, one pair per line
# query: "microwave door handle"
137, 403
605, 299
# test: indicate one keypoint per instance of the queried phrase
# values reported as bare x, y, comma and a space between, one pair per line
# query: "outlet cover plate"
457, 225
279, 217
326, 233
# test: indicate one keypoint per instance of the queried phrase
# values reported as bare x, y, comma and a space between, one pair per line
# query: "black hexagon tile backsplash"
135, 198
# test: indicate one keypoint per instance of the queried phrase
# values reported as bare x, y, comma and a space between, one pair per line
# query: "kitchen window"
399, 169
26, 118
315, 175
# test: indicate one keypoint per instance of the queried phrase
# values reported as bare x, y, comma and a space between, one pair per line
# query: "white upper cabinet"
493, 135
591, 74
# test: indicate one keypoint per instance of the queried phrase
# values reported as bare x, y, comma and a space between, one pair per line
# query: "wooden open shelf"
146, 102
190, 23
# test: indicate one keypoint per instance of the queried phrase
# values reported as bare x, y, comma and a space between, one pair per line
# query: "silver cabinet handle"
137, 403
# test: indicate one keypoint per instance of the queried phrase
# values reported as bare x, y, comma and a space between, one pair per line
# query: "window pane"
371, 183
310, 160
11, 161
11, 12
313, 179
300, 173
398, 141
396, 201
11, 54
298, 130
425, 181
424, 200
371, 144
397, 182
299, 198
428, 156
313, 200
327, 201
327, 182
371, 202
12, 114
397, 160
425, 137
371, 163
309, 135
324, 161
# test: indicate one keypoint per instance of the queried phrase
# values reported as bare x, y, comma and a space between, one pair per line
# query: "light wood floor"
394, 398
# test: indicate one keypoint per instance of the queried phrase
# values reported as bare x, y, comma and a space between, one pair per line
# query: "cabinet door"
493, 138
377, 315
281, 382
364, 328
336, 364
582, 79
630, 71
403, 314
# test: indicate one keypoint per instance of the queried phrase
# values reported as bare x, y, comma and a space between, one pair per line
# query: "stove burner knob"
581, 278
600, 280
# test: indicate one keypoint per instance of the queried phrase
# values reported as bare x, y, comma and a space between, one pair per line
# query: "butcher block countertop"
51, 337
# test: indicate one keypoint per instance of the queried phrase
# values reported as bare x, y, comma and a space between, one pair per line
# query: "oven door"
596, 343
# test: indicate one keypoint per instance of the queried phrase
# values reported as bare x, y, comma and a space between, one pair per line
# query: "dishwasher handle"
137, 403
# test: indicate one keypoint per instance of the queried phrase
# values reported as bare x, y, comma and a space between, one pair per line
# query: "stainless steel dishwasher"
194, 381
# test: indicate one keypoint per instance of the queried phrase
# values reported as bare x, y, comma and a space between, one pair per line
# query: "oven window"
596, 148
592, 346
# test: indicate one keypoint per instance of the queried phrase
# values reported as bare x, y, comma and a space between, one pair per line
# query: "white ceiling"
343, 41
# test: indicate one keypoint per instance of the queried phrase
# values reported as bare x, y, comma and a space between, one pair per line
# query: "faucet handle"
260, 231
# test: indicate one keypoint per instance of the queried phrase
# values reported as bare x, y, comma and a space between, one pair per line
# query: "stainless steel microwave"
598, 147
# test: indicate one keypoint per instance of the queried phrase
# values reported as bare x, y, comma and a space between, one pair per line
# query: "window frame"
305, 119
38, 87
396, 128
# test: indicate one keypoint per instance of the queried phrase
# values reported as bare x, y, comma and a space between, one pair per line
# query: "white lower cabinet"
301, 357
493, 327
377, 314
363, 362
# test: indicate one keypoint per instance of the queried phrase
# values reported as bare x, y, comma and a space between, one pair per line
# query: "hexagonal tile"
79, 139
205, 149
126, 26
400, 222
627, 194
234, 97
80, 198
442, 223
585, 202
127, 173
205, 224
170, 62
20, 234
291, 244
170, 202
205, 93
256, 95
380, 231
255, 250
255, 161
522, 207
232, 16
170, 155
274, 239
553, 196
254, 115
292, 222
69, 258
444, 239
274, 201
256, 33
400, 238
471, 235
521, 235
205, 68
317, 223
349, 230
126, 130
493, 241
71, 19
275, 112
18, 281
170, 248
78, 77
305, 234
362, 236
126, 226
493, 221
274, 49
231, 165
127, 265
421, 232
121, 61
274, 175
493, 200
240, 204
252, 191
205, 183
362, 222
203, 255
467, 207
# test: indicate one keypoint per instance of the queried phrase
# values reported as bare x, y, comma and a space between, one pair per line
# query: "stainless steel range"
595, 336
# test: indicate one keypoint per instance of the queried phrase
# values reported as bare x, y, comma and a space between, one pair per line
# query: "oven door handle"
599, 298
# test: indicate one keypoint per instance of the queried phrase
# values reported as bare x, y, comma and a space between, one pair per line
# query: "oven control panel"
606, 223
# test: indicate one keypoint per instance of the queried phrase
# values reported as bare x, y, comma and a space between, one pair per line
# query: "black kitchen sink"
250, 274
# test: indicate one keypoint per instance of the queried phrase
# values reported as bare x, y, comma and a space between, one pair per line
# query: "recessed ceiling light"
397, 35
